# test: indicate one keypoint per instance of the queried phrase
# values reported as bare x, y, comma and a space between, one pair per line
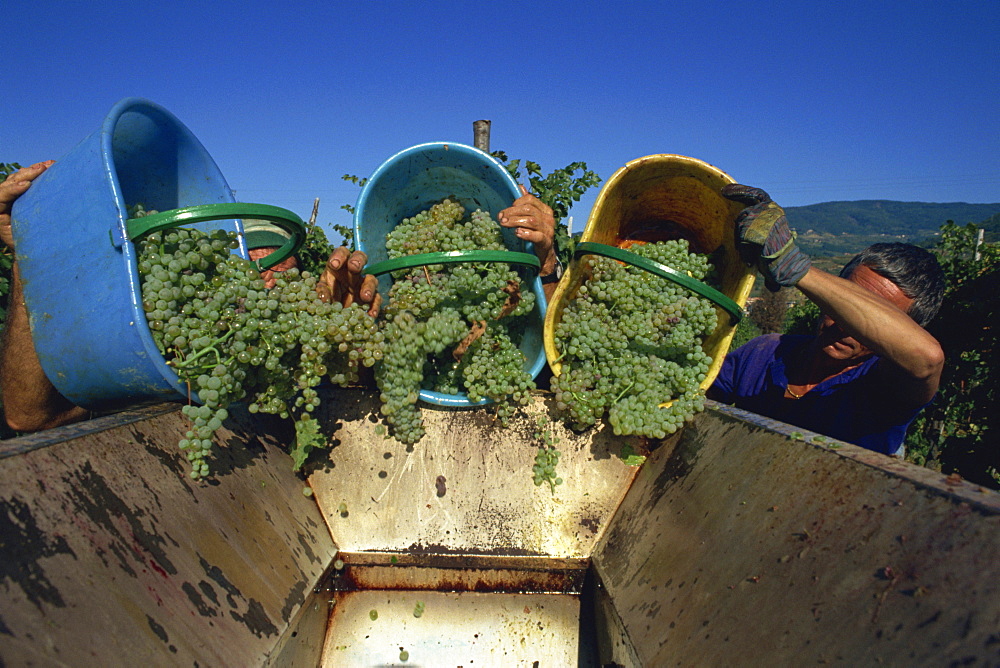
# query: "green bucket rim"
708, 292
136, 228
452, 257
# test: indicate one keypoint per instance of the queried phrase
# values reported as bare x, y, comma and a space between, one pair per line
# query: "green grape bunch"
452, 328
547, 457
230, 339
544, 470
631, 344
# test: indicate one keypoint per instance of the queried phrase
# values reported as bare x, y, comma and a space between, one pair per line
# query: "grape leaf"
307, 437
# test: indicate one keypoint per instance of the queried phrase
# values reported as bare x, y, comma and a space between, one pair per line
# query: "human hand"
343, 281
13, 187
269, 274
764, 238
533, 221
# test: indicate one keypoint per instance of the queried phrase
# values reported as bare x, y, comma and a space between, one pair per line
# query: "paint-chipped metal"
100, 528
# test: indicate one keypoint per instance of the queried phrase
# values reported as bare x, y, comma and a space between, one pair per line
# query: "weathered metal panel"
467, 487
373, 628
111, 555
735, 544
612, 646
744, 543
302, 645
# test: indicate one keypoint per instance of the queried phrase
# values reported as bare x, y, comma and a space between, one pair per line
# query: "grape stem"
622, 394
184, 364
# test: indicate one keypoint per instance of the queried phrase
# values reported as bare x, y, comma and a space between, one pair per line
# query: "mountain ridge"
847, 226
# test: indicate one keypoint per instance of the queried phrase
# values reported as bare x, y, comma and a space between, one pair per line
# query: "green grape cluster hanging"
230, 339
452, 328
631, 344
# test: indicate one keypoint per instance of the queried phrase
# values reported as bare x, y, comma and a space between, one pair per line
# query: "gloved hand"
764, 239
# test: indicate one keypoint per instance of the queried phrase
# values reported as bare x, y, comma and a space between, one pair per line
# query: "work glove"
764, 239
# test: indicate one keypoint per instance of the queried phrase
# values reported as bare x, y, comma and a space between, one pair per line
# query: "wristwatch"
556, 274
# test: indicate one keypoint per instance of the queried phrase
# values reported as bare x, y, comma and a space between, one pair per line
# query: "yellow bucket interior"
658, 198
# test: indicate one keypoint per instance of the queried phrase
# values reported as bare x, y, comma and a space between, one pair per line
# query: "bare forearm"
30, 401
876, 323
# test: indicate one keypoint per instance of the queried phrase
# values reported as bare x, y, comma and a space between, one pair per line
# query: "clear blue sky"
813, 101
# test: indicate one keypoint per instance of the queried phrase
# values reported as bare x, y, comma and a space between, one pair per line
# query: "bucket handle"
287, 220
452, 257
662, 270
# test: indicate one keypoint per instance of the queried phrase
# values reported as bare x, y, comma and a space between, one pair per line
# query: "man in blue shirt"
870, 368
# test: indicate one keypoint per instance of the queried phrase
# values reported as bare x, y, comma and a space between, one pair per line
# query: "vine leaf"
307, 437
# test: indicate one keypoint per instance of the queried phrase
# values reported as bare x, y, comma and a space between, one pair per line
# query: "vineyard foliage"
960, 431
315, 249
560, 189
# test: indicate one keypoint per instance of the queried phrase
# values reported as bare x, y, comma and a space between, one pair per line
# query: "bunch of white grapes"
452, 328
631, 344
230, 339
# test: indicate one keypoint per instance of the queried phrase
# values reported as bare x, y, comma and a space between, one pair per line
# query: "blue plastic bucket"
78, 268
415, 179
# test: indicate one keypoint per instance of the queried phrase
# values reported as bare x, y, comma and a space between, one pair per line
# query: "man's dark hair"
912, 269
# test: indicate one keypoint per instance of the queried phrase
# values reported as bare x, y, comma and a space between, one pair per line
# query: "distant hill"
834, 228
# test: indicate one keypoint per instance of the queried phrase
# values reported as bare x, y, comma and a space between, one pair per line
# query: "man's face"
834, 342
269, 274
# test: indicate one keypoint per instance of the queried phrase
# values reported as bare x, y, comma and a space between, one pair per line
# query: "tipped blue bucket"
78, 267
415, 179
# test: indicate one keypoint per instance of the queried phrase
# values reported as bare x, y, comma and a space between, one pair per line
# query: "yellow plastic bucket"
659, 198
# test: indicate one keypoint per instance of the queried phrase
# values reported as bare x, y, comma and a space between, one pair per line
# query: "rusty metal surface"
740, 545
466, 487
537, 575
372, 628
111, 555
